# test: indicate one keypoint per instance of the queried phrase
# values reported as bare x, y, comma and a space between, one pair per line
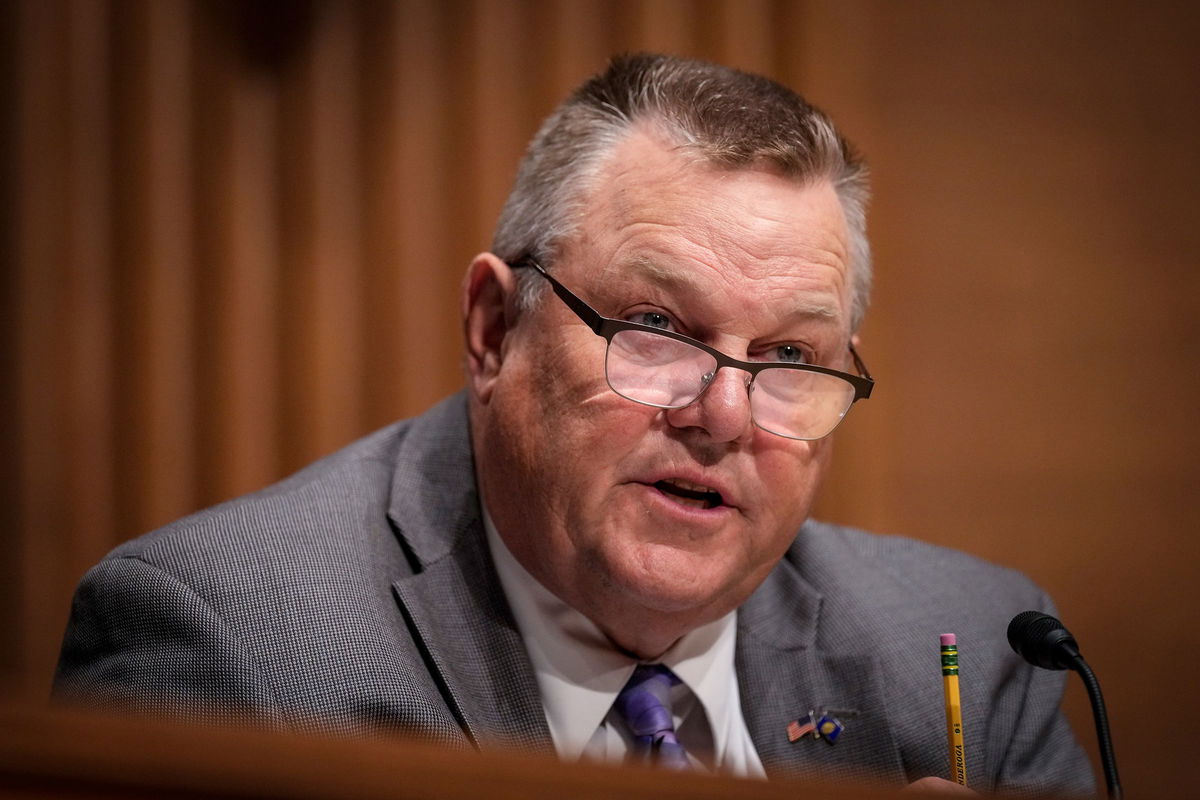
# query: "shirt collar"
579, 671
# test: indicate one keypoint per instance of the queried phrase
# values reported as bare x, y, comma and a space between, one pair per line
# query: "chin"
668, 580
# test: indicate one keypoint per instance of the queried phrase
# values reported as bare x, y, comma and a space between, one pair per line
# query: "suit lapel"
782, 674
452, 602
459, 619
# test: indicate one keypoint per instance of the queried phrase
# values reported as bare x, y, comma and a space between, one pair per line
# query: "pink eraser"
948, 638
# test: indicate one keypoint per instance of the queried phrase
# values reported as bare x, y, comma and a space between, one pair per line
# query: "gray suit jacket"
358, 595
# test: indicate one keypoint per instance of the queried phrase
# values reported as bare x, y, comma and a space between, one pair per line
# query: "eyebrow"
805, 307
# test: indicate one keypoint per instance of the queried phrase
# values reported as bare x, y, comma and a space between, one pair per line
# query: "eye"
791, 354
653, 319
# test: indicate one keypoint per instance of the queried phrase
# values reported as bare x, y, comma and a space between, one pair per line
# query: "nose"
722, 410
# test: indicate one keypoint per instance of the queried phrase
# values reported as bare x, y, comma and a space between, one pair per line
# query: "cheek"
577, 409
790, 475
566, 378
560, 415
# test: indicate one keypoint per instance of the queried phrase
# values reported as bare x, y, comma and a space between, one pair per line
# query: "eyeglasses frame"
607, 328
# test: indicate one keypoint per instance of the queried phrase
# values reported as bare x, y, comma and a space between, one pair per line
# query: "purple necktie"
645, 705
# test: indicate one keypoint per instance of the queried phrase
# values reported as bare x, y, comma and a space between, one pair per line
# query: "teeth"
692, 494
691, 487
689, 501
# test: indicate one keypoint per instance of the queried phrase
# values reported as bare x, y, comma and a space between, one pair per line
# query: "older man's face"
597, 495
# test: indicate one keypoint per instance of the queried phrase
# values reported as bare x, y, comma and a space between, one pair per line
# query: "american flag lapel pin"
797, 729
820, 724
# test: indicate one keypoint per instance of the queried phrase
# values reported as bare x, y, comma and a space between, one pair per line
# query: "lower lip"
660, 501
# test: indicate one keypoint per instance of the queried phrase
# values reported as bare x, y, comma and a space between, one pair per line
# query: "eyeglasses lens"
656, 370
659, 371
802, 405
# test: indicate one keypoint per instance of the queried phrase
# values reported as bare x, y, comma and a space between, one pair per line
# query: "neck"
647, 635
644, 645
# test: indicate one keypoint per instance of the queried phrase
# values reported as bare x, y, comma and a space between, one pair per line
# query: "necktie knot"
645, 706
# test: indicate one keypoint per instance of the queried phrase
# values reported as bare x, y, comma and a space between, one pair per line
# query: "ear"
487, 293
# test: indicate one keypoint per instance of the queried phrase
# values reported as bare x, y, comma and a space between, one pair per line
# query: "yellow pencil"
954, 726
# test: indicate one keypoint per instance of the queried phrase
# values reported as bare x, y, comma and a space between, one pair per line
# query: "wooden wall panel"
744, 39
87, 289
237, 246
1035, 331
580, 36
236, 232
39, 100
160, 226
404, 202
325, 271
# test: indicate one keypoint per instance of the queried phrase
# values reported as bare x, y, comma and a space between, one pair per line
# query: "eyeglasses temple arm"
859, 365
585, 312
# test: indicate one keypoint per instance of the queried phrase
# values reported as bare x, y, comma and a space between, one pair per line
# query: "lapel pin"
820, 724
829, 728
796, 731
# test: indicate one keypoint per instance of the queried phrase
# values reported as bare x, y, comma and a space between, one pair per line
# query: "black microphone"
1045, 642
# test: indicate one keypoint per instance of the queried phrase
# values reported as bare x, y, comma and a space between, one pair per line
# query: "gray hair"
731, 118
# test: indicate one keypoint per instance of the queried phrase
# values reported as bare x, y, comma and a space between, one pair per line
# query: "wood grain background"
232, 235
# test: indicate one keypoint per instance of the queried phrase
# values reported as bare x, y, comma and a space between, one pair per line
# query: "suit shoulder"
891, 597
298, 512
898, 581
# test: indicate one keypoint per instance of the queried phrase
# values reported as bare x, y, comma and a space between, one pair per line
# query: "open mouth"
690, 494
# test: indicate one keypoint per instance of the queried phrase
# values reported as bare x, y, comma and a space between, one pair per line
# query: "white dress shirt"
579, 673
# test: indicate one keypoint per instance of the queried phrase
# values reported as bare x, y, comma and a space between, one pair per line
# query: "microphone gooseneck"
1045, 642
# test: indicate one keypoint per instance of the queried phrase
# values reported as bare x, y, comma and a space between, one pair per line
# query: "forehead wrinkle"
745, 218
687, 227
800, 308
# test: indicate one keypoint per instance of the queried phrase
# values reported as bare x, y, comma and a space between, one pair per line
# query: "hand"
939, 786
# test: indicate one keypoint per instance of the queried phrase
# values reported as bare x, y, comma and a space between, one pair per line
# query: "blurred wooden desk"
56, 753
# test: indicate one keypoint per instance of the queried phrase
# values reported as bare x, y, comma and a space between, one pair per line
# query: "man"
612, 524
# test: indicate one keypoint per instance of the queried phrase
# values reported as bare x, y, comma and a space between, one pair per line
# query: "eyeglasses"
665, 369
